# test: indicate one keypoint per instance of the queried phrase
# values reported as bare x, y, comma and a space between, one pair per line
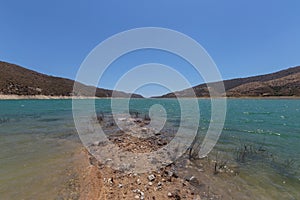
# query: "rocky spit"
183, 179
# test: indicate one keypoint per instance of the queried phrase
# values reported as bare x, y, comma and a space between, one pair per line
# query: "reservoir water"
38, 141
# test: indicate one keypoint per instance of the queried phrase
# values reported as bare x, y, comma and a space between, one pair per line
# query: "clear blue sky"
243, 37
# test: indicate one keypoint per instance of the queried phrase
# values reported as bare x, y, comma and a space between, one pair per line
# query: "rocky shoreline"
184, 179
106, 183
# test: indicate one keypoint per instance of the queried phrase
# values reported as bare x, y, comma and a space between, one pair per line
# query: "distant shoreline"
16, 97
41, 97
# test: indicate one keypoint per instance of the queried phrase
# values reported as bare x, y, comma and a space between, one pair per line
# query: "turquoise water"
38, 139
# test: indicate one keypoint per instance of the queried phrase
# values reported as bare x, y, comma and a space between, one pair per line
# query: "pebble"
142, 195
136, 191
150, 183
110, 181
151, 177
144, 130
194, 180
169, 173
170, 194
158, 187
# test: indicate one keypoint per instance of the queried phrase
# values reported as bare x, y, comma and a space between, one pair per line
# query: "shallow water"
38, 140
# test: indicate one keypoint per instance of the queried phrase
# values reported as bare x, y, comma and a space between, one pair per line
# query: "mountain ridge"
281, 83
17, 80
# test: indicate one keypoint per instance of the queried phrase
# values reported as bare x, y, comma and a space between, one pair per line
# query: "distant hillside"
16, 80
282, 83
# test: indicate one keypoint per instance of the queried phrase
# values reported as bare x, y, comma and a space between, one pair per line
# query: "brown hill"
282, 83
16, 80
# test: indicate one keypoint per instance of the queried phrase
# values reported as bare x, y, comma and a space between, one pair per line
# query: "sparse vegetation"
4, 120
220, 165
100, 117
134, 113
248, 151
195, 147
146, 117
